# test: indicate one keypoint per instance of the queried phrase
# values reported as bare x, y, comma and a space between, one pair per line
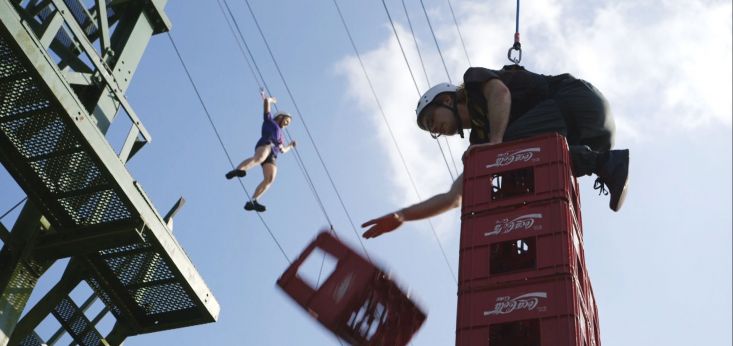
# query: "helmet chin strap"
459, 124
454, 109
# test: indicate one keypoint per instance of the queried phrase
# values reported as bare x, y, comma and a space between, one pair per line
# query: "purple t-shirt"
271, 133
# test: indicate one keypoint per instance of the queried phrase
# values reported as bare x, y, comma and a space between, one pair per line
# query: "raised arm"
499, 102
430, 207
267, 104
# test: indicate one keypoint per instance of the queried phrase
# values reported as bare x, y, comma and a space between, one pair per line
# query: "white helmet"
429, 96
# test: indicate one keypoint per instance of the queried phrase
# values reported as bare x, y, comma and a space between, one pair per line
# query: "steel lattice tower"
64, 68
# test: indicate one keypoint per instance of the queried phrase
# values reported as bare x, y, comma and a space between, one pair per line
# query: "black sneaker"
615, 175
235, 173
249, 206
258, 207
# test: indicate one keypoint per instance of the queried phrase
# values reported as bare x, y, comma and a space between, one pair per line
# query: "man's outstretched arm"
430, 207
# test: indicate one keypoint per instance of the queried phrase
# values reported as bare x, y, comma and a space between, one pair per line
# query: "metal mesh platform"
65, 165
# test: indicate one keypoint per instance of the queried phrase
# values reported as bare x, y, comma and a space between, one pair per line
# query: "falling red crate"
518, 172
357, 302
545, 312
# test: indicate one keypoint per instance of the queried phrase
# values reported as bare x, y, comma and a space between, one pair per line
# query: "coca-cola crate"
545, 312
539, 239
594, 330
518, 172
357, 302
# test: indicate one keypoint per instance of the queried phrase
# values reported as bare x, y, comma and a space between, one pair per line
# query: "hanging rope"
517, 46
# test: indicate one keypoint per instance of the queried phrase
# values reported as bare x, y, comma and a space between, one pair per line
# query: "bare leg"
261, 154
269, 171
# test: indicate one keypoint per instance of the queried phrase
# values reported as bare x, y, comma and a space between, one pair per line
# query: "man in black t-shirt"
513, 103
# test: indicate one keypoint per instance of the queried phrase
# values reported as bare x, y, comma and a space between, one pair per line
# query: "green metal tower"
64, 68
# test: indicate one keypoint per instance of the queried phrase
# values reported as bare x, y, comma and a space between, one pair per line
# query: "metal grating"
76, 323
20, 94
30, 122
147, 277
22, 133
63, 164
62, 173
32, 339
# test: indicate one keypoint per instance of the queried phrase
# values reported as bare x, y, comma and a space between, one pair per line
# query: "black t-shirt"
527, 90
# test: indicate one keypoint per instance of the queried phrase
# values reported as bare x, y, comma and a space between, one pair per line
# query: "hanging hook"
516, 47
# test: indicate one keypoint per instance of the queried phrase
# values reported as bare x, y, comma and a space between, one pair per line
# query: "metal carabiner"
518, 47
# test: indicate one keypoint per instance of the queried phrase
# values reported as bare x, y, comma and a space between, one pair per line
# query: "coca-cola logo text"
508, 158
505, 225
505, 305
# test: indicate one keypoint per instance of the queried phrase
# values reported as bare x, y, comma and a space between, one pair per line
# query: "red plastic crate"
594, 330
357, 302
537, 240
547, 312
518, 172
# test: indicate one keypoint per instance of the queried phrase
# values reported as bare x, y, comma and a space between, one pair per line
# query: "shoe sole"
622, 194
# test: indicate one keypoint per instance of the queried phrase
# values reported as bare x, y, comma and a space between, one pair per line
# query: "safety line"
417, 89
305, 125
417, 47
384, 117
440, 52
458, 28
425, 71
218, 136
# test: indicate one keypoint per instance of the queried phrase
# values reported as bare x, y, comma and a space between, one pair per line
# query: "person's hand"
292, 144
384, 224
271, 99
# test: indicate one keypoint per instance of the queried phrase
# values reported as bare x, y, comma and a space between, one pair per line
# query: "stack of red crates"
522, 276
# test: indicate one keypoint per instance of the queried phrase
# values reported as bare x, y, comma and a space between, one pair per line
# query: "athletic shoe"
615, 175
235, 173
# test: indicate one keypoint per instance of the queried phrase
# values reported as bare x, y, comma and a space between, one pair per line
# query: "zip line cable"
384, 117
239, 44
218, 136
425, 71
445, 66
440, 52
305, 125
265, 88
417, 47
299, 159
409, 68
13, 207
458, 28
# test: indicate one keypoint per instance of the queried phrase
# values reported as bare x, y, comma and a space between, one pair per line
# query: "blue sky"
660, 268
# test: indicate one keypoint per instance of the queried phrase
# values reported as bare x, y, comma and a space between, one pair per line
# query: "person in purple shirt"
268, 146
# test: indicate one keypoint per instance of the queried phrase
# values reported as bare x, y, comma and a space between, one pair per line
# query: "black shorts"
270, 158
